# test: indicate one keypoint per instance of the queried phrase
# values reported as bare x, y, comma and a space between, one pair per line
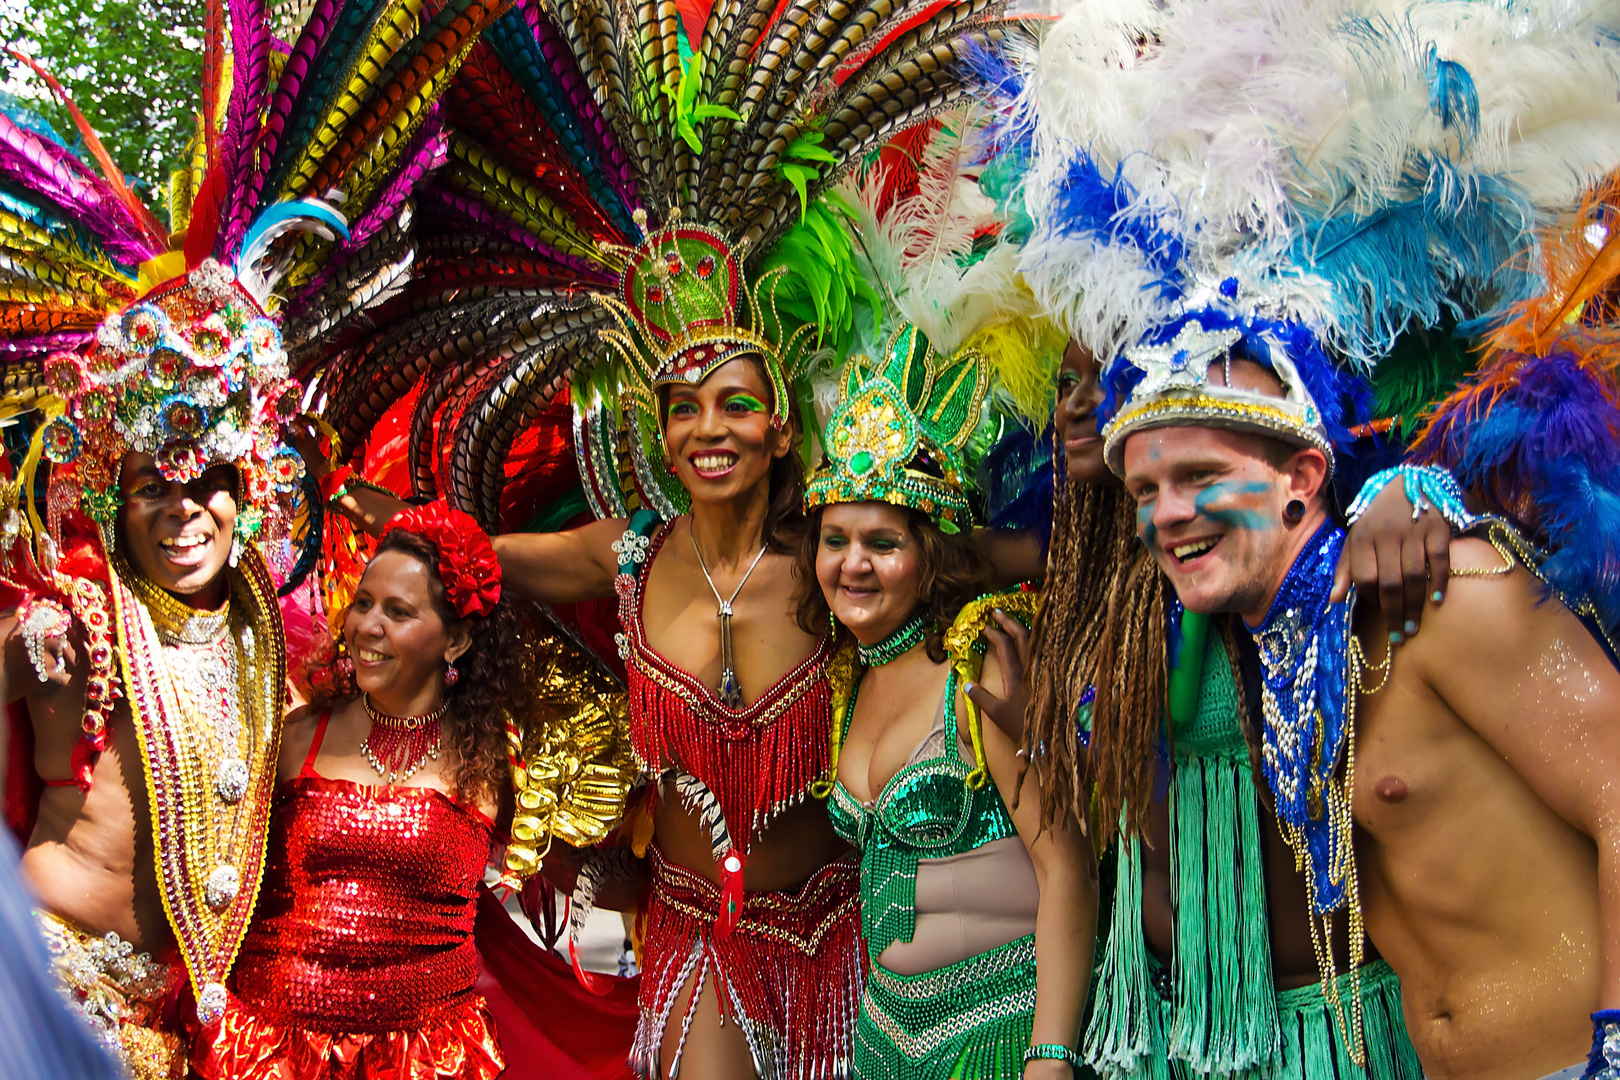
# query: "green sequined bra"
970, 1019
927, 810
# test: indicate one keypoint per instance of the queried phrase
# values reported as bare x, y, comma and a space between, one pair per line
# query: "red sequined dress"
360, 961
788, 965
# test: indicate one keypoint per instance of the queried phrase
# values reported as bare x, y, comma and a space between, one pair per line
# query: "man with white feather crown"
1254, 188
146, 638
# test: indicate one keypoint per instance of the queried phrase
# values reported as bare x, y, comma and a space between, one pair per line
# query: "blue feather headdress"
1535, 433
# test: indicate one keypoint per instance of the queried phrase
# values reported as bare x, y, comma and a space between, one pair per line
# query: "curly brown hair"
499, 682
954, 573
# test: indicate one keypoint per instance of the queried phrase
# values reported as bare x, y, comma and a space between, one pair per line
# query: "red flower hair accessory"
467, 565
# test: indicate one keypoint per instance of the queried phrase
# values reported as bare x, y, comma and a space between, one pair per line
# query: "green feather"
823, 285
1423, 367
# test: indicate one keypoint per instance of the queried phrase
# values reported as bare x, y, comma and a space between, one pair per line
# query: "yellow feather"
474, 171
1024, 352
390, 32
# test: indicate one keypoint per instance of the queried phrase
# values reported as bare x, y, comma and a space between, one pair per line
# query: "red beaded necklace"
397, 746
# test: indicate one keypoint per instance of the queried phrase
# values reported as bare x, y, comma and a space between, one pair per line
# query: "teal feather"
337, 56
513, 42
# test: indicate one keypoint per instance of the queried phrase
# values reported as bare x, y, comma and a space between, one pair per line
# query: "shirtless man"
1487, 823
147, 644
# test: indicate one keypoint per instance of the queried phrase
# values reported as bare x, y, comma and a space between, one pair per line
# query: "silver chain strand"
730, 692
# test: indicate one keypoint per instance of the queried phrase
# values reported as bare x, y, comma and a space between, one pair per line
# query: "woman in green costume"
1208, 968
979, 922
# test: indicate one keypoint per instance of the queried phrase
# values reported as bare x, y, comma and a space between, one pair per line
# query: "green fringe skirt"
1312, 1046
971, 1020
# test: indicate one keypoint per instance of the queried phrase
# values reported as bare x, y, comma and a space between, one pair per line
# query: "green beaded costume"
1217, 1014
969, 1019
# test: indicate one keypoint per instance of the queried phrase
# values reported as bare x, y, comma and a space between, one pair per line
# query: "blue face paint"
1232, 517
1145, 529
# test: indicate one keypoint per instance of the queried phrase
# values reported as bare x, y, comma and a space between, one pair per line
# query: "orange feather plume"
1580, 263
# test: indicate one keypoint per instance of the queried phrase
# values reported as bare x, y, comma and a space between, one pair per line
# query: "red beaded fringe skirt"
459, 1045
790, 974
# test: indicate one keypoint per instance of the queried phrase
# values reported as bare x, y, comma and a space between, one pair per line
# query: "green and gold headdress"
899, 429
685, 306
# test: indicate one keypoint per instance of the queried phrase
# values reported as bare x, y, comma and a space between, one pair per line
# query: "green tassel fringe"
1314, 1047
1225, 1000
1126, 1038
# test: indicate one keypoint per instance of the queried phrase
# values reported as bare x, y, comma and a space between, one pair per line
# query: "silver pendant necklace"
730, 692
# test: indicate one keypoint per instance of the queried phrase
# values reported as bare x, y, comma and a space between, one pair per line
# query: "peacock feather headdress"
635, 193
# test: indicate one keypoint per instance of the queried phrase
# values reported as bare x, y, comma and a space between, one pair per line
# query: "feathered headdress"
898, 432
1534, 434
958, 323
173, 341
629, 187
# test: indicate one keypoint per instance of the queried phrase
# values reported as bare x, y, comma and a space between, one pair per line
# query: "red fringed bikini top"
757, 760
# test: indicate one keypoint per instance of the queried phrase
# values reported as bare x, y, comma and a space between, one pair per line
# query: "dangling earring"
1294, 512
669, 466
451, 675
236, 552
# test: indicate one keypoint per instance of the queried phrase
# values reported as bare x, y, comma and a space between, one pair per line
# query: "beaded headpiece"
1172, 387
898, 432
468, 568
684, 307
193, 374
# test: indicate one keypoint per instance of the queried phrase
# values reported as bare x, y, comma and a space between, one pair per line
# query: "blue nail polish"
1411, 627
1436, 595
1394, 637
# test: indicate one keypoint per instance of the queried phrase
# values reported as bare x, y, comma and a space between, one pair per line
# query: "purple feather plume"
41, 344
49, 170
1539, 439
239, 148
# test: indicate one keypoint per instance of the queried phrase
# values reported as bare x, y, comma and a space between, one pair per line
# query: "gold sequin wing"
574, 770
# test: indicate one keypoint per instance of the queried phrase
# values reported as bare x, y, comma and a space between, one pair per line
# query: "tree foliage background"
134, 67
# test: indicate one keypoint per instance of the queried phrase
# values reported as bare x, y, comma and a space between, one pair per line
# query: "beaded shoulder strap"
633, 549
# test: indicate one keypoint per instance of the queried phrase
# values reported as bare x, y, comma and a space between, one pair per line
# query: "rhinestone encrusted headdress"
684, 307
194, 374
898, 432
1172, 387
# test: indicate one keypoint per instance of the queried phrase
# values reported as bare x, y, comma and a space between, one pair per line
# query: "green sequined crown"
898, 432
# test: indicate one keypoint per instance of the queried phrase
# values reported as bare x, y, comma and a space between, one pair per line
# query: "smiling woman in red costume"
751, 963
360, 961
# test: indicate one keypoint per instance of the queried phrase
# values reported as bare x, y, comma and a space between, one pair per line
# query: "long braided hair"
1101, 626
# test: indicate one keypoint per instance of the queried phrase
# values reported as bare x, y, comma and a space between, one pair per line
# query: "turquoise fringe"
1125, 1039
1225, 1000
